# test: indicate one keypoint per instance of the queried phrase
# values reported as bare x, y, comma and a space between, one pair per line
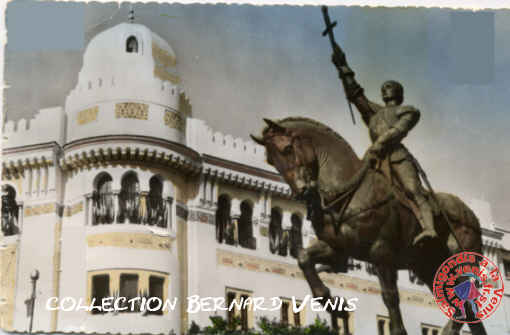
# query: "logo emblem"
468, 287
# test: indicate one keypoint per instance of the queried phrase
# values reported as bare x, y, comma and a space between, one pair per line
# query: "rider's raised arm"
353, 90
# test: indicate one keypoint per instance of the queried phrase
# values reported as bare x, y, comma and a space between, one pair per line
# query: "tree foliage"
220, 326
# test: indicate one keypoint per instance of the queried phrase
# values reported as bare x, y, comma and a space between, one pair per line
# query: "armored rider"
388, 125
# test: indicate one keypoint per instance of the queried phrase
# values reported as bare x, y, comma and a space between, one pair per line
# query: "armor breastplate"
381, 122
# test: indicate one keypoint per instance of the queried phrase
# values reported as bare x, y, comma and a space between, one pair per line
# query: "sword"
423, 176
329, 31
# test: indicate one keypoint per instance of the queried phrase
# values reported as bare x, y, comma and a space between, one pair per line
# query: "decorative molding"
14, 168
492, 233
236, 166
129, 240
87, 115
74, 209
174, 120
245, 176
131, 110
41, 209
114, 148
341, 281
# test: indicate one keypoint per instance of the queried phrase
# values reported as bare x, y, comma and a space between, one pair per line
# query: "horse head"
307, 154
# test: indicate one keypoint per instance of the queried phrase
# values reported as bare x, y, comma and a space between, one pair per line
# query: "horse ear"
275, 126
257, 139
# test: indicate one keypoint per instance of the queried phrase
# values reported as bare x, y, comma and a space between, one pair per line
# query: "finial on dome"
131, 16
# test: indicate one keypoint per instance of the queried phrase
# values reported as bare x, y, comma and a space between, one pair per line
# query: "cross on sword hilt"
336, 48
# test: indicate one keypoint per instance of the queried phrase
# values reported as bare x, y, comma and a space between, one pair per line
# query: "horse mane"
314, 124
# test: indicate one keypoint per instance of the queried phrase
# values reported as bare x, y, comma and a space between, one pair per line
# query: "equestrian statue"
373, 209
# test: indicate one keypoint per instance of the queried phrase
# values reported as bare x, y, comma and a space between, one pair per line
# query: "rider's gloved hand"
338, 56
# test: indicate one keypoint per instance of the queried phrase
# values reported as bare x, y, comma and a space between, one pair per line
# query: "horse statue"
356, 212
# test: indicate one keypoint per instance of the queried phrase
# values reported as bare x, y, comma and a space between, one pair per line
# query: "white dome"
126, 64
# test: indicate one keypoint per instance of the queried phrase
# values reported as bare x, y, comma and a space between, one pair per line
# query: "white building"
122, 193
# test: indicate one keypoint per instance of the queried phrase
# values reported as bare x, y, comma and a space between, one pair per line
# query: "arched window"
131, 44
156, 209
275, 230
296, 235
129, 199
9, 211
224, 225
246, 238
102, 200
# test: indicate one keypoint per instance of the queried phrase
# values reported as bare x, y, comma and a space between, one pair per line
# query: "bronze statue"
360, 208
388, 125
356, 213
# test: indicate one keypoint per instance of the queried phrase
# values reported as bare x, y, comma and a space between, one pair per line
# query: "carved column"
203, 187
235, 215
214, 193
168, 206
116, 206
208, 192
29, 180
268, 204
20, 216
88, 210
142, 209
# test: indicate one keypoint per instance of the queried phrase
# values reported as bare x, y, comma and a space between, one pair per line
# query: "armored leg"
408, 176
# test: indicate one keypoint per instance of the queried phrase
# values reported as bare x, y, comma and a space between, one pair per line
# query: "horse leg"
319, 252
388, 280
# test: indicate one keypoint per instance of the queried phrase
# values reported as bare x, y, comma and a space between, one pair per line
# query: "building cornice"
492, 233
112, 148
245, 176
16, 159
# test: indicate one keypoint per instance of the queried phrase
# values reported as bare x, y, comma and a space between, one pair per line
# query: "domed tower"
124, 185
128, 85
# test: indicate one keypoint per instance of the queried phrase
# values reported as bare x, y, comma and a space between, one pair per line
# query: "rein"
346, 193
350, 187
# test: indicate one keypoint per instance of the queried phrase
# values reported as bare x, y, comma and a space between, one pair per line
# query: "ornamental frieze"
87, 115
129, 240
40, 209
258, 264
74, 209
174, 120
131, 110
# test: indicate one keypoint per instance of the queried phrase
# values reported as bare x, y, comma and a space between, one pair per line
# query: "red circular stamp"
468, 287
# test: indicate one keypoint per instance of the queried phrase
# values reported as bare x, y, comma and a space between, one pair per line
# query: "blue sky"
242, 63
